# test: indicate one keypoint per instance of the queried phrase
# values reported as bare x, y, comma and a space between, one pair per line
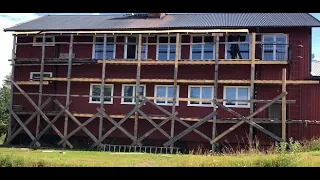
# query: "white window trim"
236, 105
98, 102
274, 48
199, 86
126, 47
40, 43
166, 104
94, 47
202, 47
226, 47
32, 73
134, 86
168, 49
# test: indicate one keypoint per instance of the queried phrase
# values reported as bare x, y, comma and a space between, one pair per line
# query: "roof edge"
12, 27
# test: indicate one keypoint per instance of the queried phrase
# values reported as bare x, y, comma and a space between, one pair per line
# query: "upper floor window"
95, 90
35, 76
165, 91
236, 93
131, 48
166, 51
202, 51
238, 47
37, 40
275, 47
110, 48
129, 90
200, 92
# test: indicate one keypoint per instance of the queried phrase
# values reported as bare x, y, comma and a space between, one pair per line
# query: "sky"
11, 19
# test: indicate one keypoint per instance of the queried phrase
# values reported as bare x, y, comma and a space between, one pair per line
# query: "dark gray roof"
170, 21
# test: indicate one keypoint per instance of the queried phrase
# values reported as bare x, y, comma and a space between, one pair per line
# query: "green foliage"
312, 145
4, 101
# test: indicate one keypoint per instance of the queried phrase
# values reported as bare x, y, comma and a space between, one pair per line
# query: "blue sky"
10, 19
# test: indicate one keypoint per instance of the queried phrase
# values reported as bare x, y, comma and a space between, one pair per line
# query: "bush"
312, 145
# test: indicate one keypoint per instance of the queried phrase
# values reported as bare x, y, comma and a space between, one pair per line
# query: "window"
95, 93
238, 47
275, 47
35, 76
144, 51
37, 40
202, 51
130, 90
110, 49
236, 93
131, 47
166, 51
200, 92
165, 91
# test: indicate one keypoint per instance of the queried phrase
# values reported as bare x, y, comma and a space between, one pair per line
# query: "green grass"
29, 158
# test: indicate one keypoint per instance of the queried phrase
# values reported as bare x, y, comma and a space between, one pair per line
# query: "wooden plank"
284, 105
103, 77
119, 123
252, 75
175, 84
34, 114
137, 88
78, 123
13, 57
242, 117
41, 80
116, 124
189, 129
215, 91
50, 124
66, 117
32, 82
40, 112
22, 125
81, 126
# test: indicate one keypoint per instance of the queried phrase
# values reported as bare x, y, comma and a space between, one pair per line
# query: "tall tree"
4, 100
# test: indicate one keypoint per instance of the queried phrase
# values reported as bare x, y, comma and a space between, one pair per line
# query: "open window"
35, 76
238, 47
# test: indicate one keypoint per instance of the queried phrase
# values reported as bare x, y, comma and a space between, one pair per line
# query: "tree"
4, 101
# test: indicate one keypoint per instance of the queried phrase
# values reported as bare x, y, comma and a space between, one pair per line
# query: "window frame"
237, 102
227, 43
94, 46
32, 73
168, 48
35, 43
166, 101
137, 45
134, 89
98, 102
274, 53
202, 47
200, 103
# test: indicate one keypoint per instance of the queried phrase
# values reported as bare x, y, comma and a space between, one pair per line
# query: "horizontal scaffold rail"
181, 81
156, 117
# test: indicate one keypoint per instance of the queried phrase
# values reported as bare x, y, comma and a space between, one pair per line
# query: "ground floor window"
236, 93
165, 91
130, 91
95, 90
200, 92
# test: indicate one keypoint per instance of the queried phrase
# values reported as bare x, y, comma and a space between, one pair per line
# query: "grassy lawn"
29, 157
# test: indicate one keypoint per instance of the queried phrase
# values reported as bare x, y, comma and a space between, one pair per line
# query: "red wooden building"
198, 75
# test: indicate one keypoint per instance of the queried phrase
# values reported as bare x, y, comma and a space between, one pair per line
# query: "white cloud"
6, 41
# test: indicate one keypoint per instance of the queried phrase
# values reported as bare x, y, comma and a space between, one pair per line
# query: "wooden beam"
41, 80
215, 92
32, 82
13, 57
284, 105
66, 117
252, 74
175, 84
137, 88
103, 77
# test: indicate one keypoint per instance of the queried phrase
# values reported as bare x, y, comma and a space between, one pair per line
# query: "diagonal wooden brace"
177, 119
21, 124
116, 124
40, 112
34, 114
245, 119
50, 124
189, 129
78, 129
152, 130
78, 123
120, 122
154, 124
